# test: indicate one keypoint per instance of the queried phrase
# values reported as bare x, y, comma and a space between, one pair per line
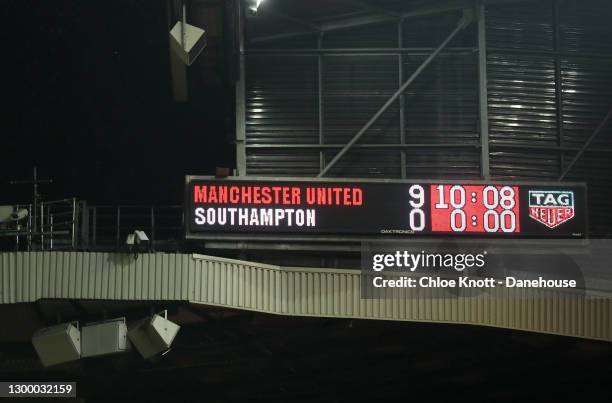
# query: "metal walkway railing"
107, 227
70, 224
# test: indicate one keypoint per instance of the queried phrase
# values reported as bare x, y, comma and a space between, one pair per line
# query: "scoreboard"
242, 206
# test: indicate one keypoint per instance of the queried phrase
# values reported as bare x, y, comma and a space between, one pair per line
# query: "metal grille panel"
442, 104
366, 164
549, 73
585, 27
587, 97
282, 100
355, 87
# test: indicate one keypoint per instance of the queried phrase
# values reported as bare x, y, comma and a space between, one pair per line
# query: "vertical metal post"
483, 96
35, 200
42, 226
83, 224
320, 92
152, 226
240, 97
30, 209
402, 105
183, 25
95, 226
18, 230
182, 210
118, 225
558, 83
74, 217
33, 212
51, 232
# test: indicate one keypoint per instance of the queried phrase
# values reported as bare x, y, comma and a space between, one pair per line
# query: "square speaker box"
153, 335
109, 337
5, 213
57, 344
195, 42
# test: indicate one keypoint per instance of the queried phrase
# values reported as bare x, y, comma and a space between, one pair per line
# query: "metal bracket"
586, 145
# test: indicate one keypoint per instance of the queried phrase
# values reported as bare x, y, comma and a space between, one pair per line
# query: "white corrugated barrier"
208, 280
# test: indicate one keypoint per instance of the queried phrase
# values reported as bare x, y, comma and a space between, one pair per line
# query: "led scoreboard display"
393, 208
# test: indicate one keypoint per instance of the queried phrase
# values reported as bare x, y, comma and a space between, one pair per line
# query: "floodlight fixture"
253, 5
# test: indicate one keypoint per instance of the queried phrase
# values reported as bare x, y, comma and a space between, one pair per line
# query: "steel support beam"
546, 148
275, 37
358, 51
178, 69
449, 5
586, 145
402, 105
483, 101
240, 97
372, 7
311, 26
388, 146
463, 22
552, 53
320, 103
558, 83
441, 7
407, 146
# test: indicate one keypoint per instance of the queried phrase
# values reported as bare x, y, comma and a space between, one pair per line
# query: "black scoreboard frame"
213, 236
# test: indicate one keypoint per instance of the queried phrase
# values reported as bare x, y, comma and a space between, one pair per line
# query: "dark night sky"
88, 100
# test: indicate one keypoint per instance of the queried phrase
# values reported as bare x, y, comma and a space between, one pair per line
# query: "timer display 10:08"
465, 208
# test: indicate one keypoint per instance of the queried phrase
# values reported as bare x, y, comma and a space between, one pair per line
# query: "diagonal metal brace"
586, 145
465, 20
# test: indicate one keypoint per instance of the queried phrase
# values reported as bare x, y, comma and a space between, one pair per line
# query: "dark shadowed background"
88, 99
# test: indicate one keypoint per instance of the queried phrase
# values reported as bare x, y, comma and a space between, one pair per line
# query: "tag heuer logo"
551, 208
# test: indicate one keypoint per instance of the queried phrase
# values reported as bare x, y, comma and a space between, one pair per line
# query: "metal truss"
465, 20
